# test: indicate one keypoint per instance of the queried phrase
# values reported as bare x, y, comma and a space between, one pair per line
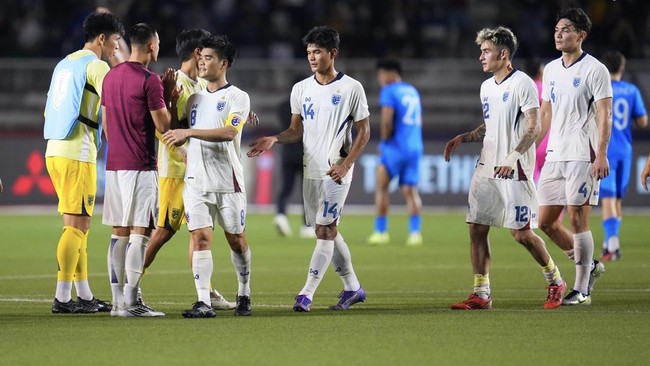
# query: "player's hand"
506, 168
1, 186
175, 137
169, 79
600, 167
337, 172
645, 176
252, 119
261, 145
451, 146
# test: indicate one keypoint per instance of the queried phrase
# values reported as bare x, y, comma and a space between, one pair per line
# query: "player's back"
626, 106
130, 92
407, 118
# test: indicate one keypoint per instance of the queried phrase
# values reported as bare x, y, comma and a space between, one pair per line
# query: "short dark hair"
222, 46
100, 22
390, 65
577, 16
322, 36
614, 61
141, 34
189, 40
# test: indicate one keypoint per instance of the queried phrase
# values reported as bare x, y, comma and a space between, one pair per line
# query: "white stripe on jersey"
503, 107
572, 92
216, 166
328, 112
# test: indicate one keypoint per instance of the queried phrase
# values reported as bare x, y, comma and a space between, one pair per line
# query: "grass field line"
427, 308
383, 267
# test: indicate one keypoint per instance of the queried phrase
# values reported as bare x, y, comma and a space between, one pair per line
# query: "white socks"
83, 289
202, 267
342, 264
116, 256
583, 245
133, 264
63, 290
242, 263
320, 260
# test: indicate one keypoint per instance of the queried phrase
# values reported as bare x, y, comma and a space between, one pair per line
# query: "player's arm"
161, 119
386, 125
506, 167
545, 117
291, 135
476, 135
645, 174
604, 122
105, 129
338, 171
641, 121
221, 134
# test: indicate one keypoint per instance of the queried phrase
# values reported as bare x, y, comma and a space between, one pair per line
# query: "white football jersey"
504, 105
216, 166
572, 92
328, 112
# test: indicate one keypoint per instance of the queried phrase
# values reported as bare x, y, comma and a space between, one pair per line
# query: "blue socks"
611, 226
414, 224
381, 224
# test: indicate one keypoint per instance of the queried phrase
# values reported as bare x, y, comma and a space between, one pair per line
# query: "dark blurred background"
271, 29
434, 40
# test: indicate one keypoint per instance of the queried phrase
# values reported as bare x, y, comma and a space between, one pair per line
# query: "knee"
238, 244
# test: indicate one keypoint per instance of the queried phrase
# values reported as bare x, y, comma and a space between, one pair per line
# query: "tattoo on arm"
474, 136
532, 130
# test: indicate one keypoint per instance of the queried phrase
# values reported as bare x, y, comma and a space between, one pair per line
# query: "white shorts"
201, 208
323, 200
563, 183
131, 198
502, 203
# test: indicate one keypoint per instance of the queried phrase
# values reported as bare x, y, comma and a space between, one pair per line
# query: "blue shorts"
404, 164
615, 185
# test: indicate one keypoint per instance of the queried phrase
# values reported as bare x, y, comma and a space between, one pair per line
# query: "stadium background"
433, 39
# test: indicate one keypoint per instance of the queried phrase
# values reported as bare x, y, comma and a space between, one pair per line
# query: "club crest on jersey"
221, 105
235, 121
506, 95
336, 99
576, 82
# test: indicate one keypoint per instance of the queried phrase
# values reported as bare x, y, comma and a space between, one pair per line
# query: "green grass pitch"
405, 320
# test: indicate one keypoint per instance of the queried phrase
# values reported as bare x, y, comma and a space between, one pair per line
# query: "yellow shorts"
75, 183
171, 213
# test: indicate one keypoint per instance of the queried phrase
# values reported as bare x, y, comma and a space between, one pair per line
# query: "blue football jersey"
407, 119
626, 106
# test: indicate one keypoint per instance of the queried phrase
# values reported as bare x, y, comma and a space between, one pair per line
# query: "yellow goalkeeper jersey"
81, 144
170, 164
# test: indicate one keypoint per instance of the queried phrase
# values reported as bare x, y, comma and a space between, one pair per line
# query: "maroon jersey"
130, 91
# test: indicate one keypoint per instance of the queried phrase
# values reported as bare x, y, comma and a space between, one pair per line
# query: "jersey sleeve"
639, 107
386, 97
239, 108
601, 83
546, 88
295, 100
528, 95
359, 103
95, 73
154, 91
